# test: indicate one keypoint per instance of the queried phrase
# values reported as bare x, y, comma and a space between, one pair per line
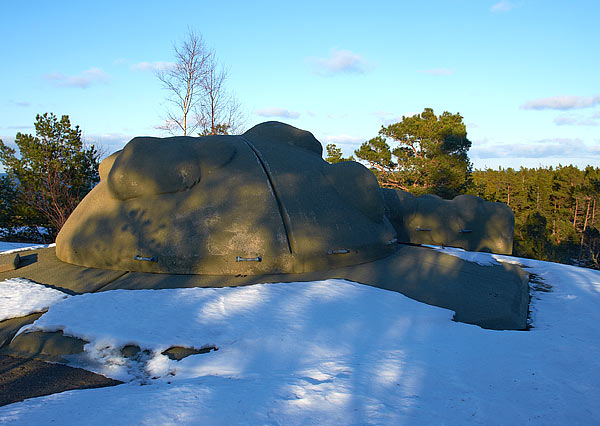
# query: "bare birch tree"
197, 93
219, 112
183, 81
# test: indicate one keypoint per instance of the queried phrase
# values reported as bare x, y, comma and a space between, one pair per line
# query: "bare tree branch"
219, 111
183, 82
196, 87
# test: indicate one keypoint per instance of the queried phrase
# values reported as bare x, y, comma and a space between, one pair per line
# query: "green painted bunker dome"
261, 202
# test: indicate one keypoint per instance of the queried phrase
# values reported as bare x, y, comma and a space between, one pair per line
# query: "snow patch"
20, 297
234, 320
484, 259
6, 248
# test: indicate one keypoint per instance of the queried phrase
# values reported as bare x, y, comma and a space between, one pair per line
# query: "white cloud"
576, 120
343, 139
386, 118
340, 61
21, 128
545, 148
340, 116
152, 66
82, 80
565, 120
502, 6
562, 102
437, 71
108, 142
277, 112
23, 104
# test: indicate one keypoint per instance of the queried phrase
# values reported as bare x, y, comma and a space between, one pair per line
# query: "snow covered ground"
20, 297
17, 247
329, 352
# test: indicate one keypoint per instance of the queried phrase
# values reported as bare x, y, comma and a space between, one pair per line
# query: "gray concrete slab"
43, 267
490, 296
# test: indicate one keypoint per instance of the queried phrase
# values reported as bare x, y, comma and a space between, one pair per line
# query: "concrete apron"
493, 297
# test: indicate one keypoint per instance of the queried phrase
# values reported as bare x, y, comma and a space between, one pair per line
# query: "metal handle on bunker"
248, 259
145, 259
338, 251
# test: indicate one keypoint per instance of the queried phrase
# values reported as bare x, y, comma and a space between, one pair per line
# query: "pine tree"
54, 169
430, 155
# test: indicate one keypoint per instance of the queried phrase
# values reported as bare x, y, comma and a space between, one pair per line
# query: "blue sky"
524, 74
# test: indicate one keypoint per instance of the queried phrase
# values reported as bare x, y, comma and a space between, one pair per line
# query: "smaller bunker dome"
261, 202
467, 221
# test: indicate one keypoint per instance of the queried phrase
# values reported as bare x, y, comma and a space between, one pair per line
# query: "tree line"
557, 210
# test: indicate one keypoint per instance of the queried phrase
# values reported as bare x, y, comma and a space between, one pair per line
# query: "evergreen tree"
54, 169
565, 200
430, 156
534, 242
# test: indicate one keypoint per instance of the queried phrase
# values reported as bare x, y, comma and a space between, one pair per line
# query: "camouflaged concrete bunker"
467, 221
262, 202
